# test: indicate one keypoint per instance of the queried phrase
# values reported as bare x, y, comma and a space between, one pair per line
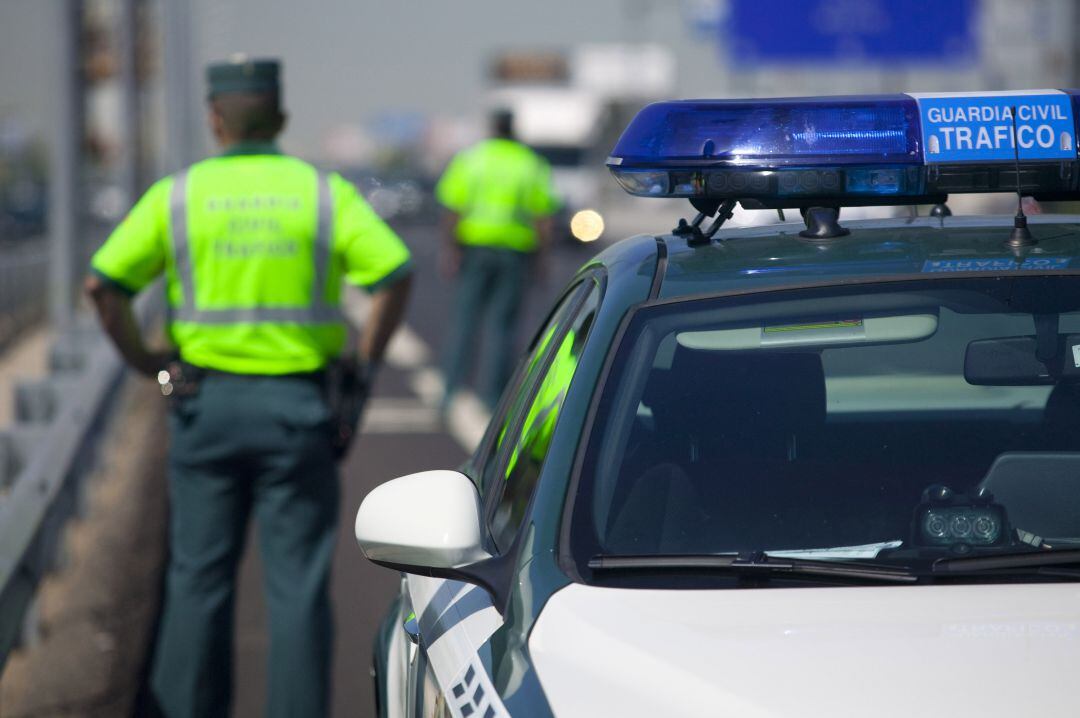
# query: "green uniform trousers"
246, 445
493, 282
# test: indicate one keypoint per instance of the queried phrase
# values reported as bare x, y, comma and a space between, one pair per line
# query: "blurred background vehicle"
567, 107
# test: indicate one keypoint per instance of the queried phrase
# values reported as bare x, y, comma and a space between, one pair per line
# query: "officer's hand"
153, 361
540, 267
450, 262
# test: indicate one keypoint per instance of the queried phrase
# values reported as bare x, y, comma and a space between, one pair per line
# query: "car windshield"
905, 421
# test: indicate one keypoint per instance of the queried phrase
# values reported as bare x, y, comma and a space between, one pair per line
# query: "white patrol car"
818, 469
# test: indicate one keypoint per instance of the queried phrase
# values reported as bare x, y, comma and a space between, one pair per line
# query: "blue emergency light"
852, 150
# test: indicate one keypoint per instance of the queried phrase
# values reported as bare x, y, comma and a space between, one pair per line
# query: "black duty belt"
347, 385
198, 371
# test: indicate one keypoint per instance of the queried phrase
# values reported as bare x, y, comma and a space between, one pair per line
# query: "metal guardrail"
44, 458
24, 267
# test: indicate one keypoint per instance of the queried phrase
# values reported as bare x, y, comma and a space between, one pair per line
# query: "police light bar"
852, 150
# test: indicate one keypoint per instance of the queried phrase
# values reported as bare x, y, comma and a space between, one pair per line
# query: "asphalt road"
402, 435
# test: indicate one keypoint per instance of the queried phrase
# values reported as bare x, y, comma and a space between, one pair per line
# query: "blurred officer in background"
254, 246
499, 196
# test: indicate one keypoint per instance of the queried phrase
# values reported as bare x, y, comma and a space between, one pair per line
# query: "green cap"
241, 74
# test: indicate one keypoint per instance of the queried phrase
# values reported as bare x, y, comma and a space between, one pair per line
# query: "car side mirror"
430, 520
431, 524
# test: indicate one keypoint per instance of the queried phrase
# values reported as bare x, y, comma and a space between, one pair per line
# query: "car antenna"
1021, 235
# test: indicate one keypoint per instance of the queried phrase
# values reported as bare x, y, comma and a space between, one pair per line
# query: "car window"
822, 422
520, 388
532, 436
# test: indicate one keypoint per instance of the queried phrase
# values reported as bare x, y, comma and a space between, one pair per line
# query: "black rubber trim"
661, 268
494, 575
564, 556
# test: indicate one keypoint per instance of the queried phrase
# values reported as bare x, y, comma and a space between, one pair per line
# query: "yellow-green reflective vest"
254, 246
499, 188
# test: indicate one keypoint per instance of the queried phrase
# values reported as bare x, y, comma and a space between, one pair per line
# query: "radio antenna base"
1020, 235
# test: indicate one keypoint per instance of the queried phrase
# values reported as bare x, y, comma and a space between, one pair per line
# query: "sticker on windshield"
998, 264
864, 551
833, 330
838, 324
1076, 356
978, 127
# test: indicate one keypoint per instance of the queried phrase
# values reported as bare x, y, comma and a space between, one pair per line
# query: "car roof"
775, 256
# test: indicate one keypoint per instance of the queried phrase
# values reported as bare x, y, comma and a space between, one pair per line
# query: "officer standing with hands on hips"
254, 246
499, 197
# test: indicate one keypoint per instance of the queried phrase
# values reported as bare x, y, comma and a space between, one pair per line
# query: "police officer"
254, 246
498, 195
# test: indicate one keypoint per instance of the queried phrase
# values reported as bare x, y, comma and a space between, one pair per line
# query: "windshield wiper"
753, 563
1026, 559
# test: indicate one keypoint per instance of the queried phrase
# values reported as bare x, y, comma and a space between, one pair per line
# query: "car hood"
985, 650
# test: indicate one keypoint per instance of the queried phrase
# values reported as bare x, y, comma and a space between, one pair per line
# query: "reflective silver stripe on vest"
178, 225
279, 315
320, 311
324, 237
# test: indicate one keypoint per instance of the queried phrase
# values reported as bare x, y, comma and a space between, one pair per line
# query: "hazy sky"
350, 59
27, 44
347, 59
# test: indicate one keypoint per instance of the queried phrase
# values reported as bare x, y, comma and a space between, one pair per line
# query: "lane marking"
400, 416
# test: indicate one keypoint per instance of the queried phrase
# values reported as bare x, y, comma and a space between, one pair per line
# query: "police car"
821, 468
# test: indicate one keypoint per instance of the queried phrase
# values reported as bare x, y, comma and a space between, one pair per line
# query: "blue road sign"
977, 127
847, 31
